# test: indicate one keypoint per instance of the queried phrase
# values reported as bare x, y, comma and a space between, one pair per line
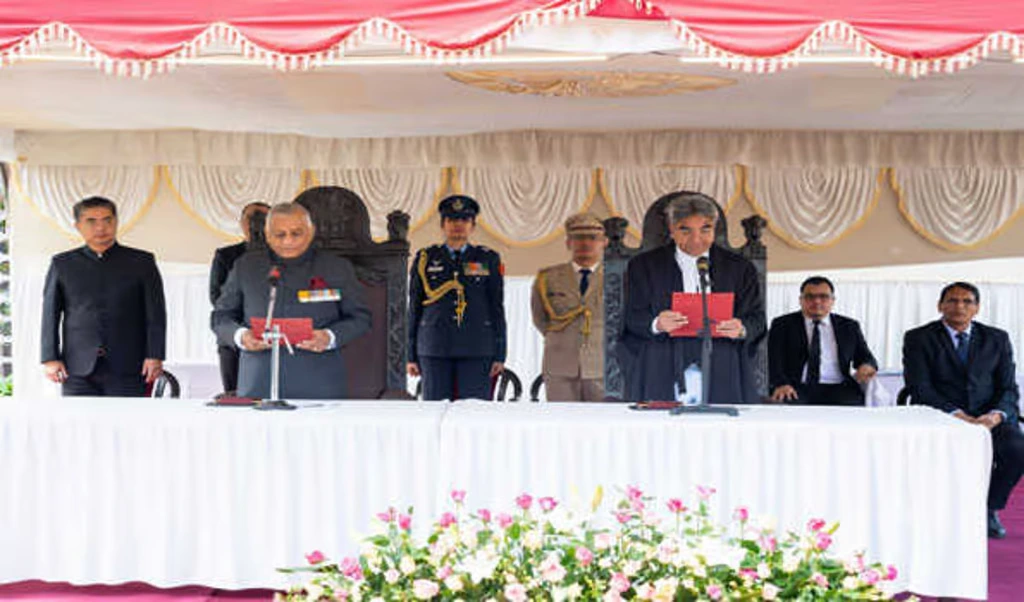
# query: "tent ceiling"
393, 101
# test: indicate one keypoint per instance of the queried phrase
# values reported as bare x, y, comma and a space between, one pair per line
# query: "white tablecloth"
171, 492
906, 484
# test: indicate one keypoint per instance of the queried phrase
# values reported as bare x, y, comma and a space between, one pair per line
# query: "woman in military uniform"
457, 333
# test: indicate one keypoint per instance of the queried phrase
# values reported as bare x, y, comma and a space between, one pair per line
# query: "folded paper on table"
296, 329
688, 304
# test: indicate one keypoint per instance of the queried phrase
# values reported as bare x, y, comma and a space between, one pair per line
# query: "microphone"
273, 278
274, 275
703, 267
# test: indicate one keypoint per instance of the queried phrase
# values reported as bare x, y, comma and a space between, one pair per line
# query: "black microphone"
274, 275
703, 267
273, 278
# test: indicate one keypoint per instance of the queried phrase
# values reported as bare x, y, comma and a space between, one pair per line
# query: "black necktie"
584, 280
962, 344
814, 356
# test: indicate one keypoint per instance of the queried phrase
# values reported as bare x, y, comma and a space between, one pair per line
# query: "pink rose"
404, 522
603, 541
622, 516
705, 493
584, 556
820, 580
524, 501
386, 517
551, 569
351, 568
484, 514
713, 591
824, 541
675, 505
634, 493
891, 573
315, 557
815, 525
619, 583
870, 576
447, 519
341, 595
547, 504
504, 520
391, 576
750, 574
424, 589
637, 506
768, 543
458, 496
741, 514
444, 572
515, 592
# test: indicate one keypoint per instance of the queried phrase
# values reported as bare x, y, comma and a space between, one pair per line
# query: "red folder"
296, 329
688, 304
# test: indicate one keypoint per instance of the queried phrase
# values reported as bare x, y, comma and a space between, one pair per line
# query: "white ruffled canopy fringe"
217, 194
545, 149
526, 205
413, 190
959, 208
813, 207
631, 190
54, 189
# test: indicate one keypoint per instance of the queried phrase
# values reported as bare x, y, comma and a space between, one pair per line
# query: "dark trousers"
1008, 462
102, 382
455, 378
228, 357
844, 394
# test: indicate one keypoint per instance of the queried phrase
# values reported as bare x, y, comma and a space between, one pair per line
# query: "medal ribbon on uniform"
436, 294
561, 321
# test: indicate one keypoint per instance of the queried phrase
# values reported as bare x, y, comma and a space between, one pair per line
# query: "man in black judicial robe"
104, 321
223, 260
655, 371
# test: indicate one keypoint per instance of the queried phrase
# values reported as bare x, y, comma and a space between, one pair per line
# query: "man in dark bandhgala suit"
223, 260
966, 368
104, 321
812, 352
656, 369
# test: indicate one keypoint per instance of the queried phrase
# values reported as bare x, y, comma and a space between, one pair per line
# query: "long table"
172, 492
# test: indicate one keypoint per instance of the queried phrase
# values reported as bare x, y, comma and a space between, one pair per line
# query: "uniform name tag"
475, 268
435, 268
319, 295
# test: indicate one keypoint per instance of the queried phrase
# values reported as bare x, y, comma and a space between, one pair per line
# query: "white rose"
392, 576
377, 599
407, 565
453, 583
850, 582
769, 592
790, 562
533, 539
631, 567
468, 537
700, 571
314, 591
764, 571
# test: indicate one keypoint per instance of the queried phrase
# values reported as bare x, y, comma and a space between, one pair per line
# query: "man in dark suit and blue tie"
812, 352
104, 320
966, 368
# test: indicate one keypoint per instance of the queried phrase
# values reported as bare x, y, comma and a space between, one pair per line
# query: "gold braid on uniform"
561, 321
436, 294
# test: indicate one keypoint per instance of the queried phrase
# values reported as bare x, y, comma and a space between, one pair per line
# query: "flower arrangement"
543, 551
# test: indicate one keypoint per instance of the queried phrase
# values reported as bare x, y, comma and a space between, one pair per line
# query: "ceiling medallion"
589, 84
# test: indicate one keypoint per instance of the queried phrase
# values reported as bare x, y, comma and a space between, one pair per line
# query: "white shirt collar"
683, 256
953, 331
577, 267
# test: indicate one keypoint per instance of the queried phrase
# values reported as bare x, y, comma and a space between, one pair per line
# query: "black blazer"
935, 376
223, 260
115, 302
788, 348
656, 361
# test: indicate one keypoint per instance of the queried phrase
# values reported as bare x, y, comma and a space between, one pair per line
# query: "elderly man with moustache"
567, 304
656, 370
312, 284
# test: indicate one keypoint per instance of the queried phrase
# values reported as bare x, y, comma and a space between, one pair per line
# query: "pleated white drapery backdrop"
887, 302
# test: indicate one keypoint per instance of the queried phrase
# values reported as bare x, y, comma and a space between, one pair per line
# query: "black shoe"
996, 530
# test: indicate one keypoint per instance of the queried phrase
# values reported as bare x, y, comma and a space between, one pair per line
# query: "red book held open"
688, 304
296, 329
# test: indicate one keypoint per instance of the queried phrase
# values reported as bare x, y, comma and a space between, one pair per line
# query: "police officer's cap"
458, 206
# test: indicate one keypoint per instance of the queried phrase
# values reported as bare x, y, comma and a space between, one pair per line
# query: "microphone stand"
272, 334
705, 407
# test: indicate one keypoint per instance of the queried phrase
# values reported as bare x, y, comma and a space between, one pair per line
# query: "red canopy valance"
911, 36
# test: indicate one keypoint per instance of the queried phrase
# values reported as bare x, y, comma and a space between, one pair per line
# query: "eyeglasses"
816, 296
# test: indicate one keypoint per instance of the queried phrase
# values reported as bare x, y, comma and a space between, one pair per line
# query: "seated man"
966, 368
311, 284
812, 352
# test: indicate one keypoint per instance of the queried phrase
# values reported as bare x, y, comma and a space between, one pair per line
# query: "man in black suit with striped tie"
966, 368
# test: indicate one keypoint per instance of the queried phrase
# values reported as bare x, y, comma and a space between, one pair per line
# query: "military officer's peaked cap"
458, 206
584, 224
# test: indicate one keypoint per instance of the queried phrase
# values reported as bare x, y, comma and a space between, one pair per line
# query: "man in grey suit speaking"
310, 284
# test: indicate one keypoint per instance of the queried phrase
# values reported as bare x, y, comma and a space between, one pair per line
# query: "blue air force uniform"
456, 314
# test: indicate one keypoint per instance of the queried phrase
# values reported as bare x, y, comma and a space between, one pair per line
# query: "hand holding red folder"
296, 329
689, 305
